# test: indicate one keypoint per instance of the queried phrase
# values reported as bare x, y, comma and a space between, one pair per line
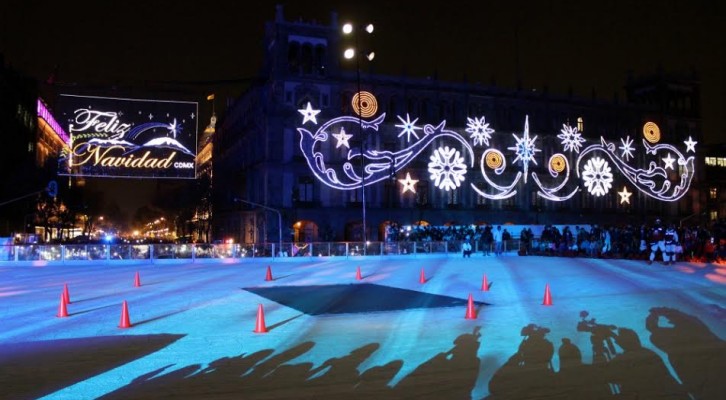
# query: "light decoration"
597, 176
594, 164
408, 184
494, 159
651, 132
627, 148
625, 195
525, 148
112, 138
447, 168
558, 163
479, 130
364, 104
571, 138
309, 114
690, 145
45, 115
342, 138
668, 160
408, 127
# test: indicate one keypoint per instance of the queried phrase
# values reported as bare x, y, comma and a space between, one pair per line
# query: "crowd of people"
655, 242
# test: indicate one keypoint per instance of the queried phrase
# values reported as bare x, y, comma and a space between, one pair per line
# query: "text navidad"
105, 145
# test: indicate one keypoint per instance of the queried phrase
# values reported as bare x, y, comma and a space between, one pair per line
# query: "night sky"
215, 45
585, 45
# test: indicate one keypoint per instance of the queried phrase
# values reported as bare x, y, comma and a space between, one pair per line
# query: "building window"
452, 197
305, 189
580, 124
713, 215
713, 193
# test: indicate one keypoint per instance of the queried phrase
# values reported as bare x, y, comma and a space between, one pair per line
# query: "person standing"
656, 240
670, 239
497, 233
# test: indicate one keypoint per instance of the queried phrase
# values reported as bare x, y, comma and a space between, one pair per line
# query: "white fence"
61, 253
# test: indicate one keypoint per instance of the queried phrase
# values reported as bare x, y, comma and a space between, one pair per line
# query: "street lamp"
348, 29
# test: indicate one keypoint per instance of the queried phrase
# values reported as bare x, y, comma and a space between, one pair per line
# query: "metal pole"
363, 141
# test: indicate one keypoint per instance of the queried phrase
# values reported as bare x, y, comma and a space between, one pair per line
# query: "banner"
128, 138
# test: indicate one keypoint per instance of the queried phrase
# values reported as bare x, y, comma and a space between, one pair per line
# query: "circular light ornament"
494, 160
651, 132
558, 163
365, 104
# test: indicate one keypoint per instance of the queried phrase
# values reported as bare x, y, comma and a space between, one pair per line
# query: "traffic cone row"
260, 326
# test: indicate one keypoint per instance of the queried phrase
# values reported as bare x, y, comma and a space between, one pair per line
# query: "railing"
193, 252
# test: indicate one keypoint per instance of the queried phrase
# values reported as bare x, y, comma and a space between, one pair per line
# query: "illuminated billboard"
128, 138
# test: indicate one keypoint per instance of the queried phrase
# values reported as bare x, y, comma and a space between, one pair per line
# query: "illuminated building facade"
31, 139
442, 153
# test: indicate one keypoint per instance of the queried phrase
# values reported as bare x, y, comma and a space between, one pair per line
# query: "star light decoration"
625, 195
668, 160
408, 127
690, 145
408, 184
479, 130
525, 148
627, 148
571, 138
309, 114
342, 138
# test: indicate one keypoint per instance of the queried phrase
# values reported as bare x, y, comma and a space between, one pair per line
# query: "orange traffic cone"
66, 294
358, 276
547, 296
484, 284
137, 280
268, 277
470, 311
422, 278
260, 324
63, 308
125, 322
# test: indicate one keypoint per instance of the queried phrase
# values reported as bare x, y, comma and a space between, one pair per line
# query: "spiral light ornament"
494, 160
651, 132
365, 104
558, 163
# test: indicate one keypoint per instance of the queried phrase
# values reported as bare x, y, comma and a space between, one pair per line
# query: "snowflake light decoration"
447, 168
479, 130
524, 148
627, 148
597, 176
571, 138
408, 127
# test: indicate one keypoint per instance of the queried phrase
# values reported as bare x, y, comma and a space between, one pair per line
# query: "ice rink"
615, 329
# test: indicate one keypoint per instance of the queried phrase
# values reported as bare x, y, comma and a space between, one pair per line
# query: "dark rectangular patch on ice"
354, 298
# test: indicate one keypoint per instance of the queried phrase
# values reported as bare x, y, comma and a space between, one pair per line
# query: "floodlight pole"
279, 217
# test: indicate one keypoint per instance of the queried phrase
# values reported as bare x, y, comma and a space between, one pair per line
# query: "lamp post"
349, 53
279, 217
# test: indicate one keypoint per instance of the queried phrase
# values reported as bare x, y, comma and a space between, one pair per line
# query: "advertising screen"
128, 138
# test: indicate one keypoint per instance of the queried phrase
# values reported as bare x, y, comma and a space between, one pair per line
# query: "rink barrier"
203, 252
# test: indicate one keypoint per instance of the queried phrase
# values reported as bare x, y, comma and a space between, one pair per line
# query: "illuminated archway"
305, 231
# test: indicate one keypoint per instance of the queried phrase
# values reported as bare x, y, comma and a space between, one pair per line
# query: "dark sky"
581, 44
